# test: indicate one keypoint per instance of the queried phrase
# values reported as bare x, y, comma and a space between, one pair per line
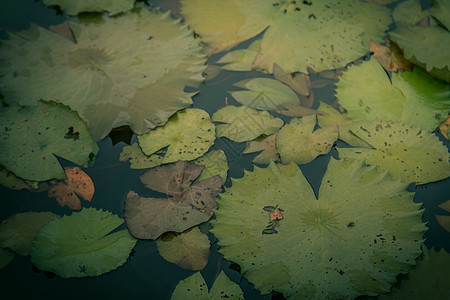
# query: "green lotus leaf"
428, 280
408, 13
74, 7
331, 116
355, 239
188, 250
264, 93
426, 46
6, 256
134, 77
138, 160
299, 142
215, 163
188, 135
31, 135
267, 145
408, 152
18, 231
82, 244
194, 288
413, 97
187, 204
244, 123
297, 34
242, 59
382, 1
441, 11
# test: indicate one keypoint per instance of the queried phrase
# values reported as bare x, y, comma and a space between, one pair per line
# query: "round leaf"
32, 135
355, 239
82, 244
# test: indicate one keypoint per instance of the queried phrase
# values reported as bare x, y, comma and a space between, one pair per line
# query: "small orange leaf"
391, 58
445, 128
65, 195
275, 215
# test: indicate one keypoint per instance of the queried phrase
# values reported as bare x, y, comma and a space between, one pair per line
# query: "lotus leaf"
77, 183
82, 244
297, 34
188, 135
138, 159
6, 256
134, 77
427, 46
441, 11
429, 280
74, 7
215, 163
266, 144
18, 231
355, 239
408, 13
188, 250
299, 142
264, 93
413, 97
187, 204
31, 135
244, 123
242, 59
13, 182
408, 152
195, 288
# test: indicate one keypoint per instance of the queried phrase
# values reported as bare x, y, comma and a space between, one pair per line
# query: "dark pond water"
146, 274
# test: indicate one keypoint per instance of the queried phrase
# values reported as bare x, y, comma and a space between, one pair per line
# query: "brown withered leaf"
391, 58
63, 29
187, 204
445, 128
275, 214
77, 183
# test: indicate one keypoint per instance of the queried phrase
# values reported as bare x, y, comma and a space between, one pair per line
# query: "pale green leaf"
74, 7
242, 59
299, 142
408, 13
244, 123
355, 239
408, 152
215, 163
82, 244
441, 11
138, 160
266, 144
33, 135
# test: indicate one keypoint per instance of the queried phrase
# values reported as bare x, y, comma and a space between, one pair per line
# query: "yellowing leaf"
391, 58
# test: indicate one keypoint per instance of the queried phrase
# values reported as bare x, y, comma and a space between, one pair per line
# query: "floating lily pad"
408, 152
441, 11
264, 93
140, 71
188, 250
82, 244
267, 145
428, 280
408, 13
31, 136
187, 204
242, 59
244, 123
6, 256
297, 34
215, 163
188, 135
11, 181
355, 239
77, 183
299, 142
138, 160
74, 7
366, 92
194, 288
18, 231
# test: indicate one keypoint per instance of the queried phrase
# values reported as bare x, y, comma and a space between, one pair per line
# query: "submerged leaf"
6, 256
75, 7
82, 244
266, 144
188, 250
188, 135
32, 136
194, 288
138, 160
316, 254
244, 123
18, 231
11, 181
408, 152
366, 92
264, 93
297, 34
187, 204
134, 77
299, 83
444, 221
242, 59
299, 142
